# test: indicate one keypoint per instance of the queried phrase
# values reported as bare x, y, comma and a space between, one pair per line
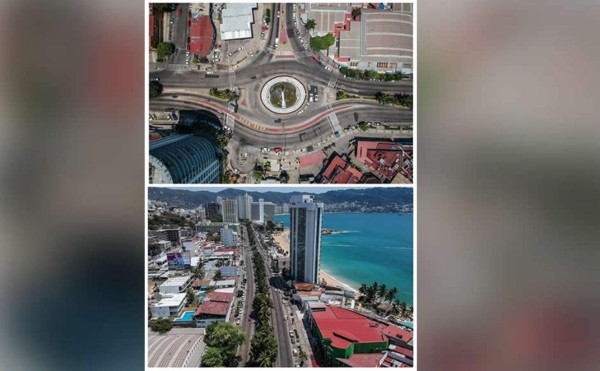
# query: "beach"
284, 243
282, 240
332, 281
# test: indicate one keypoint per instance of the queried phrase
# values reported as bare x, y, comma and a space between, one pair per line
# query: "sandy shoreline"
282, 240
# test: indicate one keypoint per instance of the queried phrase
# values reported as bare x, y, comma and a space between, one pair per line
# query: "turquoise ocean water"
370, 247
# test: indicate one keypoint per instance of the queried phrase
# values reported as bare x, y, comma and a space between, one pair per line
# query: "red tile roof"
222, 297
339, 171
344, 327
363, 360
201, 35
397, 332
213, 308
385, 157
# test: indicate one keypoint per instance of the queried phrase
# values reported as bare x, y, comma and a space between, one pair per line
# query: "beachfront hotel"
305, 238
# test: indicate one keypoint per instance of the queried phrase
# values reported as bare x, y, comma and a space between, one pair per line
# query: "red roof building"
212, 309
222, 297
202, 36
338, 171
363, 360
386, 158
355, 340
345, 327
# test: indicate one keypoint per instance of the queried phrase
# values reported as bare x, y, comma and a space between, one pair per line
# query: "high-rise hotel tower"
305, 238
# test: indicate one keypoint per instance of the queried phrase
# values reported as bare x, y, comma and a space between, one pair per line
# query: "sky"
279, 188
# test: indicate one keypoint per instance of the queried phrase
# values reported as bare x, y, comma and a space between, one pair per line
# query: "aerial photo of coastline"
280, 277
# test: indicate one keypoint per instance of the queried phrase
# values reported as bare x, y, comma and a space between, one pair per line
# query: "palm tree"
362, 289
391, 294
382, 290
356, 12
302, 355
402, 308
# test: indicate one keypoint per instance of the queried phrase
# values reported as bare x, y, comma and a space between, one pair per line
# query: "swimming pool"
186, 317
201, 294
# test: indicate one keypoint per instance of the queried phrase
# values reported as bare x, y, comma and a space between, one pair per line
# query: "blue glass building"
184, 159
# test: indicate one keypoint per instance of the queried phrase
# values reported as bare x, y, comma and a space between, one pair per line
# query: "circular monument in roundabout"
283, 94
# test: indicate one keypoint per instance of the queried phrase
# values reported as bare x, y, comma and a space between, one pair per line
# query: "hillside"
373, 197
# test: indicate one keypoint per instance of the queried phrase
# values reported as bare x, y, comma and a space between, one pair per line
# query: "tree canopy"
310, 24
156, 89
161, 325
322, 42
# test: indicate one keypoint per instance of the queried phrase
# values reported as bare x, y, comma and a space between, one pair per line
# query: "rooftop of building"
363, 360
177, 281
386, 157
199, 283
219, 297
345, 327
338, 171
237, 19
301, 286
171, 300
202, 35
216, 308
379, 33
223, 283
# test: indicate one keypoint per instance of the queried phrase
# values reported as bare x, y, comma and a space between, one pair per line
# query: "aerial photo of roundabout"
279, 102
283, 95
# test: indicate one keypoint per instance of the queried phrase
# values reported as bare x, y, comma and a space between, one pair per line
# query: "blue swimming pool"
186, 317
201, 294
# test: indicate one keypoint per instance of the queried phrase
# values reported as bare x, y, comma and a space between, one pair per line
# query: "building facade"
305, 238
184, 159
244, 206
228, 237
229, 210
212, 209
269, 212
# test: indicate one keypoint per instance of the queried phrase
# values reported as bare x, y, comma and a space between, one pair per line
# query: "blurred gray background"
507, 173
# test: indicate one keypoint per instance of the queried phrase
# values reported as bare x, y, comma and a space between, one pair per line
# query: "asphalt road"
365, 111
246, 323
284, 355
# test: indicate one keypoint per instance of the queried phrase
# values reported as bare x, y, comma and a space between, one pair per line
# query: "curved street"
321, 119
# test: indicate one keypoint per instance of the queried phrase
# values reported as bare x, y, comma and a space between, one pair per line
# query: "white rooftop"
177, 281
171, 300
237, 21
222, 283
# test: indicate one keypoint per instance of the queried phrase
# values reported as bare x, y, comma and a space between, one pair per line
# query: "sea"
368, 248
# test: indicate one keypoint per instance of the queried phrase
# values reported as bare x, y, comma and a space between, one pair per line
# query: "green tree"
382, 290
302, 356
322, 42
156, 89
190, 296
212, 358
226, 338
217, 276
356, 12
164, 49
310, 24
362, 289
391, 294
161, 325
